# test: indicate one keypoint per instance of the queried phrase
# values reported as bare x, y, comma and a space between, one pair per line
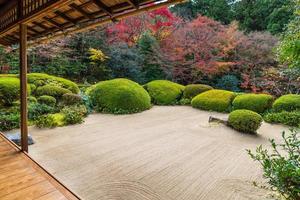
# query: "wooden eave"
51, 18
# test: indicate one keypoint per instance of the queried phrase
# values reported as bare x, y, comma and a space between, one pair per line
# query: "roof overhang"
52, 18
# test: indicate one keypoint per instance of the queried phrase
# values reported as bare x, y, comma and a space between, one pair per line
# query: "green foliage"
71, 99
229, 82
74, 114
289, 49
245, 121
32, 99
281, 165
35, 110
164, 92
9, 121
214, 100
184, 101
39, 79
9, 90
119, 96
284, 117
256, 102
53, 91
51, 120
190, 91
47, 100
288, 102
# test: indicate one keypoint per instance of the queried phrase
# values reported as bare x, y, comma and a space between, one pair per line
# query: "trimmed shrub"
51, 120
164, 92
9, 121
32, 99
214, 100
39, 79
245, 121
72, 116
119, 96
229, 82
190, 91
288, 102
53, 91
284, 117
71, 99
256, 102
35, 110
9, 90
47, 100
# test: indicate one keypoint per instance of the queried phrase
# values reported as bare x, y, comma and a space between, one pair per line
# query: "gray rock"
16, 138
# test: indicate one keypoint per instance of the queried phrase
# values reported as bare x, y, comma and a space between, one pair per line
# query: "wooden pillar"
23, 86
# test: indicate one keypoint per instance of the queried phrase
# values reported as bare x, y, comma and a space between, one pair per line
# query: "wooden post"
23, 86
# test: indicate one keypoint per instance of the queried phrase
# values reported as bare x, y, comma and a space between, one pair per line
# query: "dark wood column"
23, 86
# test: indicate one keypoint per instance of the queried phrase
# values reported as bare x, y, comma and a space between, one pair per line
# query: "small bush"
9, 90
245, 121
214, 100
71, 99
32, 99
119, 96
185, 102
53, 91
164, 92
229, 82
256, 102
35, 110
288, 102
51, 120
9, 121
193, 90
281, 165
48, 100
39, 79
284, 117
72, 116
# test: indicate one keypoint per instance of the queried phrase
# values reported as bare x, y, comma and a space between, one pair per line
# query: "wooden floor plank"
23, 179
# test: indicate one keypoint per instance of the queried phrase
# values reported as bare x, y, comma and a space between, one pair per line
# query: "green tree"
262, 15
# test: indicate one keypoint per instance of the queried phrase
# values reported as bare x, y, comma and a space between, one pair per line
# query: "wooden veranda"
32, 21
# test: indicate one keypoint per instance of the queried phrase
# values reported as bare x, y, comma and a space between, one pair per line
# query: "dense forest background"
247, 45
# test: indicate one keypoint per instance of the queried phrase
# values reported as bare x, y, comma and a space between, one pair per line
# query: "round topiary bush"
71, 99
256, 102
119, 96
190, 91
214, 100
48, 100
51, 90
164, 92
39, 79
245, 121
9, 90
288, 103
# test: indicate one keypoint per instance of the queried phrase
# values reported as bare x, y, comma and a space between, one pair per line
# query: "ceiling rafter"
66, 17
81, 11
103, 7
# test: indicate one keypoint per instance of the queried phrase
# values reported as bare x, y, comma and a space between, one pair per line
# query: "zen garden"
194, 101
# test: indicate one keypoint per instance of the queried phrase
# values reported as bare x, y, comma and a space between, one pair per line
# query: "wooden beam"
54, 23
103, 7
66, 17
40, 25
33, 30
81, 11
134, 3
23, 87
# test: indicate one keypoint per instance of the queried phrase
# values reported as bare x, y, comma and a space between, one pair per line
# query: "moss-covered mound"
48, 100
193, 90
39, 80
164, 92
256, 102
119, 96
288, 102
214, 100
9, 90
50, 90
245, 121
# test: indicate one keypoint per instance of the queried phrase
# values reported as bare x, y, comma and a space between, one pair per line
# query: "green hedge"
71, 99
245, 121
39, 79
164, 92
256, 102
48, 100
53, 91
119, 96
214, 100
51, 120
193, 90
288, 102
284, 117
9, 90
